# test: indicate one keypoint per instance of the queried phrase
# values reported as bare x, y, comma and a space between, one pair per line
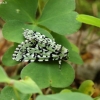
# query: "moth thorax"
58, 47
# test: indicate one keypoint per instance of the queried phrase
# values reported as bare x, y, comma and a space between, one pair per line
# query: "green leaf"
66, 96
89, 20
46, 74
22, 10
7, 57
0, 96
75, 57
15, 29
74, 48
60, 39
65, 91
73, 51
87, 87
9, 93
26, 86
20, 15
3, 76
59, 16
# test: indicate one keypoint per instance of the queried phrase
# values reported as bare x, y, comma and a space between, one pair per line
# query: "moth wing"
21, 53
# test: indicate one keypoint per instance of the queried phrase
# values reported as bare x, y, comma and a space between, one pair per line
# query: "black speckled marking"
42, 49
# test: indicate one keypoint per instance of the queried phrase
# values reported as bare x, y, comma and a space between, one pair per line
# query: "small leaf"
9, 93
15, 28
7, 57
74, 57
65, 96
74, 48
59, 16
23, 10
26, 86
47, 74
87, 87
3, 76
65, 91
88, 20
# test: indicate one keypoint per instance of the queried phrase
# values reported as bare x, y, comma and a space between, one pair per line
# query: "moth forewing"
38, 47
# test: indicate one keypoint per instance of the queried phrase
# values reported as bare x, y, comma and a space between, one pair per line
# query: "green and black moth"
38, 47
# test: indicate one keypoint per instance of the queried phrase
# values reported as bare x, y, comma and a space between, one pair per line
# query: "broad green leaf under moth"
45, 74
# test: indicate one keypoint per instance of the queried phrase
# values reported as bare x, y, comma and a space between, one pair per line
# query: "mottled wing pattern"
38, 47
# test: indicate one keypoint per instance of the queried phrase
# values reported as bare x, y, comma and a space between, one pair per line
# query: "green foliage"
3, 76
24, 11
26, 85
46, 75
73, 50
87, 87
65, 91
53, 18
49, 20
58, 16
23, 89
9, 93
7, 57
11, 28
65, 96
89, 20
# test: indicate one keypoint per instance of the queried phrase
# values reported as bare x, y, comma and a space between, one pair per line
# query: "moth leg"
59, 64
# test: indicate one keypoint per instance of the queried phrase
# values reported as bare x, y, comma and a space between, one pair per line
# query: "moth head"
58, 47
64, 53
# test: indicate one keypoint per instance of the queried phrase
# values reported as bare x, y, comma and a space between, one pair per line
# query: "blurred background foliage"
90, 7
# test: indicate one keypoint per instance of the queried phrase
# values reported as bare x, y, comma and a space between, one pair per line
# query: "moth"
38, 47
